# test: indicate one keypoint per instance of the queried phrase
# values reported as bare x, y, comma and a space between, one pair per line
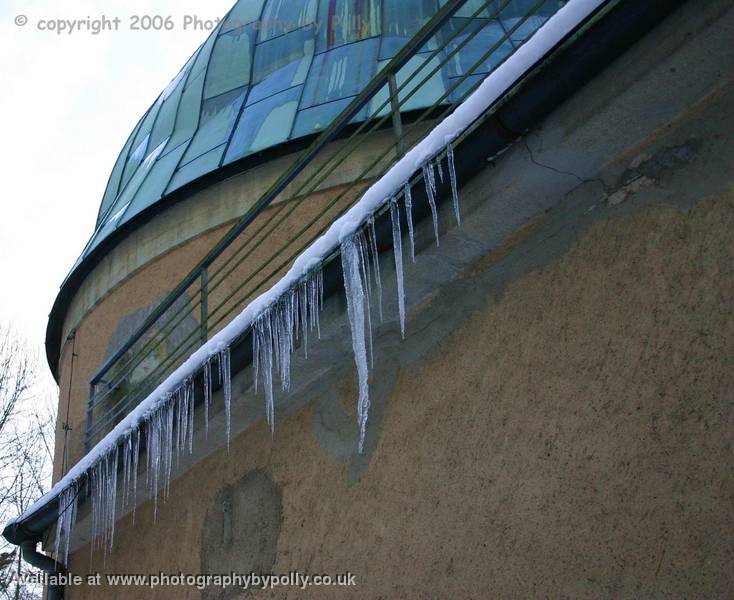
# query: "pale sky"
68, 104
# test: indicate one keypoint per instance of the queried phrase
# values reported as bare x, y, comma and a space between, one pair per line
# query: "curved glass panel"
341, 72
281, 16
218, 116
281, 63
206, 163
314, 119
346, 21
231, 60
264, 124
153, 187
243, 13
402, 20
187, 117
415, 74
114, 182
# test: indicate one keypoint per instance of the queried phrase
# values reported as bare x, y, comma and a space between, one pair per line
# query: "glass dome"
279, 70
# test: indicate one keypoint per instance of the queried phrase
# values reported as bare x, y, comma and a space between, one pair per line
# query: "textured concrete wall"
558, 420
571, 439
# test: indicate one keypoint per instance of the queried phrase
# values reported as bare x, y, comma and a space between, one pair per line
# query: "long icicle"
428, 178
408, 196
226, 389
454, 187
355, 295
398, 253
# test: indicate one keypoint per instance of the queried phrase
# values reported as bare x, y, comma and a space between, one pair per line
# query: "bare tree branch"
26, 426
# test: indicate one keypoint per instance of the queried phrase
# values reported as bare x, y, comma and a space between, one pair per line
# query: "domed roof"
278, 70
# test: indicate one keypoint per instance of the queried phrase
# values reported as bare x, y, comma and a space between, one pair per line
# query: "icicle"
126, 462
284, 315
350, 255
318, 304
153, 451
430, 182
168, 427
409, 217
189, 391
440, 171
303, 317
262, 349
226, 389
375, 262
111, 494
275, 331
207, 394
66, 520
364, 273
454, 188
136, 456
398, 253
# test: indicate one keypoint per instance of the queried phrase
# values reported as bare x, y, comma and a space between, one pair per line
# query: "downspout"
45, 564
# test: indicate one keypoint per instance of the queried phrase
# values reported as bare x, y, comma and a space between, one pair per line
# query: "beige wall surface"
573, 439
558, 421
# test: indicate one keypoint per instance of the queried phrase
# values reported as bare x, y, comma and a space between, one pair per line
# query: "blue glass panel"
242, 13
316, 118
154, 185
463, 85
139, 148
514, 21
345, 21
187, 119
429, 90
169, 101
522, 30
218, 116
514, 8
114, 181
203, 54
520, 8
282, 16
281, 63
471, 7
341, 72
196, 168
231, 61
490, 35
128, 194
402, 20
264, 124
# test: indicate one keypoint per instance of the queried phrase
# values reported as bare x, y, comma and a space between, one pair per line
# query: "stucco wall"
558, 420
573, 438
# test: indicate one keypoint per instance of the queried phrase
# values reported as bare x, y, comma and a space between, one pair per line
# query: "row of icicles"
168, 429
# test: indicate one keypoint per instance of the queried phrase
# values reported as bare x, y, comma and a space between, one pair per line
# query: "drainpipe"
46, 564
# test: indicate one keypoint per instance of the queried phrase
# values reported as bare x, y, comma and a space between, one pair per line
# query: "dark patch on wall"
129, 324
241, 531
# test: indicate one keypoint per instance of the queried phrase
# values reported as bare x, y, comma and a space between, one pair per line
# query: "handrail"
208, 280
405, 54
